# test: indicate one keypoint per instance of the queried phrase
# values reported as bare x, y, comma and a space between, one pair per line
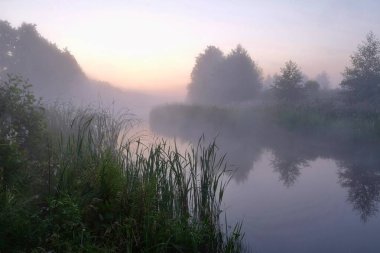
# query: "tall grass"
100, 191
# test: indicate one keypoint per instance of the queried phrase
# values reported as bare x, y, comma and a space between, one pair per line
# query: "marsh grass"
99, 191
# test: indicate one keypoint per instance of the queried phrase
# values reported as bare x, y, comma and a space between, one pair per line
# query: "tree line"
24, 51
236, 78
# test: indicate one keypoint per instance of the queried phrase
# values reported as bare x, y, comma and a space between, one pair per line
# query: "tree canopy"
288, 85
361, 80
22, 126
218, 79
24, 51
205, 75
54, 73
21, 114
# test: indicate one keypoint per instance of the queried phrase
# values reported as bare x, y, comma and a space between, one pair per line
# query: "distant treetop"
361, 80
220, 80
24, 51
288, 85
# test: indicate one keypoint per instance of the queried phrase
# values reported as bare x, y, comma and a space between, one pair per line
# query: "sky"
152, 45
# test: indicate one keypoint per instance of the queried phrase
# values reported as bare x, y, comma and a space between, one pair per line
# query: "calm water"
301, 194
315, 213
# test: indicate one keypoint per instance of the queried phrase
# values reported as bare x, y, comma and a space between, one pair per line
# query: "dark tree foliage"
241, 77
312, 86
205, 76
24, 51
55, 74
361, 80
221, 80
22, 127
311, 89
288, 85
7, 45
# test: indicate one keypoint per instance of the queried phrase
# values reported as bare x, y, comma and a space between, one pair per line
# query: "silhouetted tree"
287, 86
7, 46
205, 76
55, 73
216, 79
24, 51
241, 78
361, 80
312, 86
21, 127
311, 89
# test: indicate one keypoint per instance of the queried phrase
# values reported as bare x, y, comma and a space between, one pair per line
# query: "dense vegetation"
72, 182
24, 51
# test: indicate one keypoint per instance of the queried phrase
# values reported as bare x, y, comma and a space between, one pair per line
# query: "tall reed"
104, 192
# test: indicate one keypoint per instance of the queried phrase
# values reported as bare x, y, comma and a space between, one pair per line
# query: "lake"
298, 193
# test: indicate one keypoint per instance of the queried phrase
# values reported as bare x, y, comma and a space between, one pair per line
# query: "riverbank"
72, 180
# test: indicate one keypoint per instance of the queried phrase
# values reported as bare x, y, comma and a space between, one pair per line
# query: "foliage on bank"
296, 104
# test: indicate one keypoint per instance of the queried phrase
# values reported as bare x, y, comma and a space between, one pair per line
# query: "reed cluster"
93, 189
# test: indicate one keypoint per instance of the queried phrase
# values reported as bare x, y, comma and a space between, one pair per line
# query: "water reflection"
359, 163
288, 166
361, 176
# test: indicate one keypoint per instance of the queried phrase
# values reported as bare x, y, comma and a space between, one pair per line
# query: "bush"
22, 128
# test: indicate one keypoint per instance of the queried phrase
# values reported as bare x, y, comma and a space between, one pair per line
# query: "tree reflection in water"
362, 179
358, 162
289, 167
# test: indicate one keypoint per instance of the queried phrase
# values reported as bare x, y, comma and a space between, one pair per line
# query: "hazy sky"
153, 44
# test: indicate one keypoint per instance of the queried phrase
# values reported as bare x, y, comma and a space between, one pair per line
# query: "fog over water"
305, 157
296, 192
295, 108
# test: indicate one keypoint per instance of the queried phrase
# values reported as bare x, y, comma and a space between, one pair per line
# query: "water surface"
317, 212
299, 193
